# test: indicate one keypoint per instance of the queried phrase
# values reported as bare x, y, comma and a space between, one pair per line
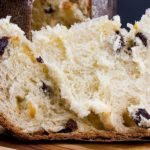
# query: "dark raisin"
128, 51
70, 126
49, 10
39, 59
141, 112
3, 44
121, 41
144, 113
118, 32
46, 89
142, 37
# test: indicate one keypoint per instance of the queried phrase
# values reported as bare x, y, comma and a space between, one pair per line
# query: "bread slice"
83, 83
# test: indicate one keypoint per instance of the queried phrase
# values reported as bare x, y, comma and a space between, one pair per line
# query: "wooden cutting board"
10, 143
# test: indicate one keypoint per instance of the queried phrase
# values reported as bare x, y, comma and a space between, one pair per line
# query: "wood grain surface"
10, 143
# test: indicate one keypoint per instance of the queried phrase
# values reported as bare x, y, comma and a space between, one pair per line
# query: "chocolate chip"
70, 126
141, 112
3, 44
142, 37
46, 89
39, 59
49, 10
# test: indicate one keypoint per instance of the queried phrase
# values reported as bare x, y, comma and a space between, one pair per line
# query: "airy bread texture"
95, 72
89, 82
139, 35
66, 12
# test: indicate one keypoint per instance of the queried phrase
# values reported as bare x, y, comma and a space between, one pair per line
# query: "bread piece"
30, 99
94, 71
139, 44
52, 12
79, 83
68, 12
20, 10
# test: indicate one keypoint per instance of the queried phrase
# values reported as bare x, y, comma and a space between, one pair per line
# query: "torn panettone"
40, 13
68, 12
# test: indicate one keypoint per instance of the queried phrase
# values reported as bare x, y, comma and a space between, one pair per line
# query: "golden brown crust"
101, 136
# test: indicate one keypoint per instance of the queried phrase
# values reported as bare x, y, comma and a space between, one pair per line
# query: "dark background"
131, 10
